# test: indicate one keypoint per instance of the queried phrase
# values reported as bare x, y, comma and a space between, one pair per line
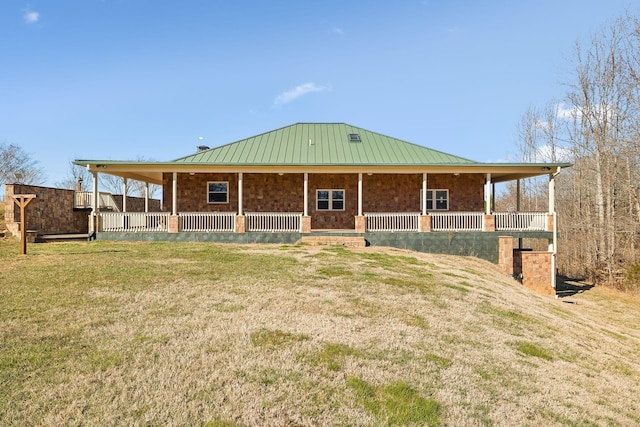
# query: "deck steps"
335, 240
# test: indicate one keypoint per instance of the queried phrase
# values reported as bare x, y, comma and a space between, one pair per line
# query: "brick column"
240, 224
536, 272
425, 223
505, 253
306, 224
174, 224
361, 224
489, 223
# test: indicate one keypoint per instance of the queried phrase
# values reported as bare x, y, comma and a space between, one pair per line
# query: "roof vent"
354, 137
202, 148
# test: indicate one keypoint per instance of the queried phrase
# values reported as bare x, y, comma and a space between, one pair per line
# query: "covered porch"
306, 202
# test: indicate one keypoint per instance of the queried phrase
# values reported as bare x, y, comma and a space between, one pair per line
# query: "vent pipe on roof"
202, 148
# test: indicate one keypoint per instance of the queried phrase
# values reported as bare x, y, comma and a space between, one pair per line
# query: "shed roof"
316, 144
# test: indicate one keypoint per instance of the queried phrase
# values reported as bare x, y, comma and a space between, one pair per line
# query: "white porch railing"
392, 221
84, 200
134, 221
208, 221
457, 221
521, 221
277, 222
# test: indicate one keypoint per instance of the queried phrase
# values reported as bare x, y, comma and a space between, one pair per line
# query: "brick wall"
533, 268
284, 193
136, 204
52, 211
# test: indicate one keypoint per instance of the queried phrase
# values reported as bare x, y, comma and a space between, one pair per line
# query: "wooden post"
22, 200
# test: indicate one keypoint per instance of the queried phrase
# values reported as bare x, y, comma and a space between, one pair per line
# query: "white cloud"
30, 16
565, 113
297, 92
337, 31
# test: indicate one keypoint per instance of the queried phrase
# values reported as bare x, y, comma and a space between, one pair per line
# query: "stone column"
425, 223
174, 224
241, 226
489, 223
305, 226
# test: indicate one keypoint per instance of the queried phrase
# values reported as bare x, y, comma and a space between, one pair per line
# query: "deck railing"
276, 222
392, 221
457, 221
134, 221
84, 200
208, 221
521, 221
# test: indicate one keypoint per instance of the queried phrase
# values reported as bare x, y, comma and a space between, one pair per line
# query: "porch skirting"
477, 244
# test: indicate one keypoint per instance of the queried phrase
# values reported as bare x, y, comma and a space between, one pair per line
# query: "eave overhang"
152, 172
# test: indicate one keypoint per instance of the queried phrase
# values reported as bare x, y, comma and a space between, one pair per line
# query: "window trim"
330, 200
432, 192
209, 192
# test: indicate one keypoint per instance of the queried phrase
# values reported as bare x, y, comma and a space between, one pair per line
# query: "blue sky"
129, 79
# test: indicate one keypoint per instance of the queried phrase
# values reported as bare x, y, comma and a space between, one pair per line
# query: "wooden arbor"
22, 200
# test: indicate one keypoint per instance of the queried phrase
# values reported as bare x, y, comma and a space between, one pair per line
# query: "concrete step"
357, 241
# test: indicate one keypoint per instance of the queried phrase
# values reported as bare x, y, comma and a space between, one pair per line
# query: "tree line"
19, 167
595, 126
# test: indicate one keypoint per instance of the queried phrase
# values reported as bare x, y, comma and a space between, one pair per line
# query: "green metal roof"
322, 144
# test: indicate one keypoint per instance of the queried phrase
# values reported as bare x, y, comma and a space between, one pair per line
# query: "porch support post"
146, 197
124, 194
240, 194
305, 222
240, 225
95, 205
424, 194
174, 194
493, 197
489, 220
306, 195
553, 244
487, 194
174, 221
360, 194
360, 223
518, 207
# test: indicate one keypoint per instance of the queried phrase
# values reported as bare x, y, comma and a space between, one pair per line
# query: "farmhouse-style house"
330, 179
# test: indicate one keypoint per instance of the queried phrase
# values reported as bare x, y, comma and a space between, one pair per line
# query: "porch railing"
134, 221
457, 221
392, 221
208, 221
84, 200
521, 221
277, 222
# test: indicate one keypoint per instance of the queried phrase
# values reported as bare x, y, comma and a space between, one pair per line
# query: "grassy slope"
129, 333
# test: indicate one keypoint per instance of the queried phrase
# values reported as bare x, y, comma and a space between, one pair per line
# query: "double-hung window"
437, 200
218, 192
330, 200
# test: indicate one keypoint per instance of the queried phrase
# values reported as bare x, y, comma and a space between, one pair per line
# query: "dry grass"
107, 333
3, 224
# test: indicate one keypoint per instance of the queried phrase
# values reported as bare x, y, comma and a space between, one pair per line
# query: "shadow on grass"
566, 287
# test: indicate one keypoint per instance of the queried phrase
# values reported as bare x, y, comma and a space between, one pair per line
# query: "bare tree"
76, 176
18, 166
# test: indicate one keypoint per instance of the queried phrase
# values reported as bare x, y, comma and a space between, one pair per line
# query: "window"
354, 137
218, 192
437, 200
330, 200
